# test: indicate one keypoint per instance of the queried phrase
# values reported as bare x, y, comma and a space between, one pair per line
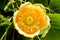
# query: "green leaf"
55, 20
52, 5
55, 6
4, 21
54, 32
44, 2
2, 18
45, 31
10, 6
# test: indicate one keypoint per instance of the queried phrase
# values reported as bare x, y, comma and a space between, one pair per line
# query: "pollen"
32, 17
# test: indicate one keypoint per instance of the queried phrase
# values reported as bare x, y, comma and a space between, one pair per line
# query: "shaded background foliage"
53, 11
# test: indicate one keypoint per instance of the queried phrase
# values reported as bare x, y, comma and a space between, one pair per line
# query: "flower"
30, 19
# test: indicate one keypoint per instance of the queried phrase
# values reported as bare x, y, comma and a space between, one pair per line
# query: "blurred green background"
7, 9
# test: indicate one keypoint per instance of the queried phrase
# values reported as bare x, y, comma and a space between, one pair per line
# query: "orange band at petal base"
30, 19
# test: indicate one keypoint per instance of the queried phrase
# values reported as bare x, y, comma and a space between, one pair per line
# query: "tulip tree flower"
31, 20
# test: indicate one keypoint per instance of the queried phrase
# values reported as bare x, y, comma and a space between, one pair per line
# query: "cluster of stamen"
30, 19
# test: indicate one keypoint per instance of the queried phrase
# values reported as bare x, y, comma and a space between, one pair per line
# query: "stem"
48, 9
17, 5
5, 32
38, 37
13, 6
5, 37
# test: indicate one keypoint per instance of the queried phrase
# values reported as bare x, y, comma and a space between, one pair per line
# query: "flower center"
29, 20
